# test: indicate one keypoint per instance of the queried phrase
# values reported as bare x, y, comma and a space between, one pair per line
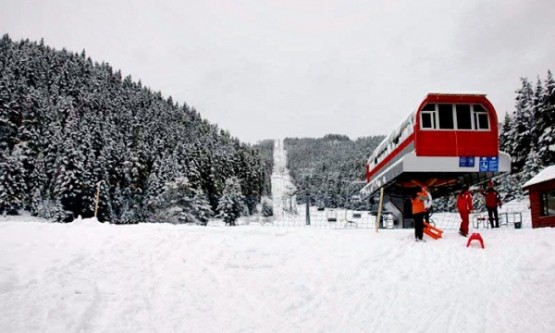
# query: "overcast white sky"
295, 68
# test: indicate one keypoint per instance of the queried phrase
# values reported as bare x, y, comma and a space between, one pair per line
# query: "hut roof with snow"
545, 175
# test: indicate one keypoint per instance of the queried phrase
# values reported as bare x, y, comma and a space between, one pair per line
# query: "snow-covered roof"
457, 93
543, 176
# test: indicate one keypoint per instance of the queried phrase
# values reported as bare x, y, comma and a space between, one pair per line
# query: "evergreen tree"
522, 129
546, 122
176, 204
201, 207
533, 165
267, 207
506, 139
231, 203
12, 183
536, 128
69, 182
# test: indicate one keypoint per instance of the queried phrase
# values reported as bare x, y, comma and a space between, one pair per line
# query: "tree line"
71, 128
330, 169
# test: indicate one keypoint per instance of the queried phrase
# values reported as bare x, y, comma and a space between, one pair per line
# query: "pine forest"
71, 128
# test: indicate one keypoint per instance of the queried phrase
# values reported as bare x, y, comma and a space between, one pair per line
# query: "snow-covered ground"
91, 277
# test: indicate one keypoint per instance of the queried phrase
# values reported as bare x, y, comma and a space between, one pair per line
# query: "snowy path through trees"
283, 190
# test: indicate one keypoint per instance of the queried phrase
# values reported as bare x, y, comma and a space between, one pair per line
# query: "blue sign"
466, 161
489, 164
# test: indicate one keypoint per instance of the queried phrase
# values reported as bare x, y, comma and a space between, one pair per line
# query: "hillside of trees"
71, 128
331, 169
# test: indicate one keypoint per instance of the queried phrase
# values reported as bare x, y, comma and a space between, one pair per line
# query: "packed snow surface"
92, 277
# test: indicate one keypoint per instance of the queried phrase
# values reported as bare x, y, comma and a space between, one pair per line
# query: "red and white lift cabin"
449, 140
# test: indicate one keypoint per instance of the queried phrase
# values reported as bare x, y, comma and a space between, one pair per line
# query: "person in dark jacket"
465, 207
493, 201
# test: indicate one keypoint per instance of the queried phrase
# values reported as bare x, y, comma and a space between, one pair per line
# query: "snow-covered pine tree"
154, 188
201, 207
546, 120
10, 110
533, 165
510, 186
247, 170
12, 183
122, 207
506, 138
71, 173
93, 171
34, 172
523, 122
177, 203
537, 105
36, 202
267, 207
231, 203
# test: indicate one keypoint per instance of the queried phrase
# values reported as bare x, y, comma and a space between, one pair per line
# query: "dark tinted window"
429, 107
548, 203
427, 120
482, 120
446, 116
478, 107
464, 120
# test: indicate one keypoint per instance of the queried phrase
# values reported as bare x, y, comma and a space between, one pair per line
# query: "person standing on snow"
464, 205
493, 201
418, 211
427, 203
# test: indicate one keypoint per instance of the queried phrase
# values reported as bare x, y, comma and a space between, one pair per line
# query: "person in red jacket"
418, 211
493, 201
464, 205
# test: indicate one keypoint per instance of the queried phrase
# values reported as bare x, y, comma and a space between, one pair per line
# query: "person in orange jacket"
465, 207
418, 211
492, 202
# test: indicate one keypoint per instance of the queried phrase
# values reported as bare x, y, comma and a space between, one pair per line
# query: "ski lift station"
450, 140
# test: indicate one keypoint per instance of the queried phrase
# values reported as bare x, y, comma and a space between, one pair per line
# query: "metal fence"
513, 215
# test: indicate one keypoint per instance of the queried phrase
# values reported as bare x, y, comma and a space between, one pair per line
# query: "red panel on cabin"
456, 143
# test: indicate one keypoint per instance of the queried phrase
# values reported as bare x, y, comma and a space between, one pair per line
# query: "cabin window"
548, 203
427, 120
454, 117
464, 119
480, 117
445, 112
428, 117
